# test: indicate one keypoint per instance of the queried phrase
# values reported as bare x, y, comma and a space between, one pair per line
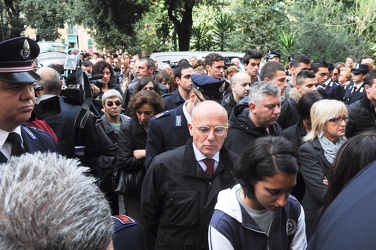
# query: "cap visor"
20, 77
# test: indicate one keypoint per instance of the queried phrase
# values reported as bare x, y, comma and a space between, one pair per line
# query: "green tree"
46, 17
200, 35
329, 29
223, 25
14, 22
257, 24
112, 20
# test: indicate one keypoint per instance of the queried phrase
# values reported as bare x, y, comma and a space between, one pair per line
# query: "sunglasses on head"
110, 103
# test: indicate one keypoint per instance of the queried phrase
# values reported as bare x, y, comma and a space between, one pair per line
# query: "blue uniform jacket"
35, 140
166, 131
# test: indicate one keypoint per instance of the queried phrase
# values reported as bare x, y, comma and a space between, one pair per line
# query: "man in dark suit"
355, 90
169, 129
181, 186
17, 100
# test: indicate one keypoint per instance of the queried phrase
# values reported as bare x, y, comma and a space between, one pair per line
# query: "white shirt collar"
6, 147
188, 117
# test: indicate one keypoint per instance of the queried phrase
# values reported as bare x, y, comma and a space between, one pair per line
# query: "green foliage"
258, 23
223, 24
36, 12
286, 42
327, 29
200, 35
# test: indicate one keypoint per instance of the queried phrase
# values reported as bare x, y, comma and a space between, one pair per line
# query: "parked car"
51, 52
173, 57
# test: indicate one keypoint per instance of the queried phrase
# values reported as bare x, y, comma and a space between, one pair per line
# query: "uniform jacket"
333, 90
348, 222
314, 167
362, 117
166, 131
35, 140
350, 96
173, 100
178, 198
132, 136
231, 227
243, 131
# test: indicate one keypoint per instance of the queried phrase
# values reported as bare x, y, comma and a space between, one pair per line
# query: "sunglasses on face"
111, 103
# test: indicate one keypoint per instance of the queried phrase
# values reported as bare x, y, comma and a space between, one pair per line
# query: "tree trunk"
183, 28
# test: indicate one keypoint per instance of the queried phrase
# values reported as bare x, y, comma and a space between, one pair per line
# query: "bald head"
240, 84
208, 108
50, 80
208, 127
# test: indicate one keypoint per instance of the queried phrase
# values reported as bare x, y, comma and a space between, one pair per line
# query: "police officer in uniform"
355, 90
17, 100
169, 129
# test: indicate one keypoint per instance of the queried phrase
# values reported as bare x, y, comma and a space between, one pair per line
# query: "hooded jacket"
231, 227
243, 131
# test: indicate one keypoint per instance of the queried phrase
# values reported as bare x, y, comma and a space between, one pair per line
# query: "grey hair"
48, 202
111, 93
260, 89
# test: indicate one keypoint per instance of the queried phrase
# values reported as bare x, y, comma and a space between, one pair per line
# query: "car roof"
174, 56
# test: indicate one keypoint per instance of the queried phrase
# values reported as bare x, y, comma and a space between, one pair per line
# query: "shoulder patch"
123, 219
165, 113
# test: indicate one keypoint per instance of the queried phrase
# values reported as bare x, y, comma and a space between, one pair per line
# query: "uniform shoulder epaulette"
163, 114
124, 219
166, 95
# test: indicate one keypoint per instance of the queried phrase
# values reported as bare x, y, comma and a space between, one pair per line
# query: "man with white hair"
48, 202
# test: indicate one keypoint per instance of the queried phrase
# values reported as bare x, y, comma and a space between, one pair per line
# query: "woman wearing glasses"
317, 154
132, 142
109, 125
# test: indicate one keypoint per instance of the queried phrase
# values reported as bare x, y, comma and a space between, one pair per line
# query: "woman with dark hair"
147, 83
107, 82
132, 142
259, 212
355, 154
164, 77
317, 154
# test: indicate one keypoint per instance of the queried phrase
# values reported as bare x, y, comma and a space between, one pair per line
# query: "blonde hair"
321, 112
348, 72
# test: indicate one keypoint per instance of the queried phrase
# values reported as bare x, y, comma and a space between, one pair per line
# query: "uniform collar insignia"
222, 88
25, 52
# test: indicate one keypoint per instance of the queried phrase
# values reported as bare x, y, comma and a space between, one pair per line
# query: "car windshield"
52, 47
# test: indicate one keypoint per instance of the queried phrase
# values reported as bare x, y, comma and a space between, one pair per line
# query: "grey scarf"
330, 148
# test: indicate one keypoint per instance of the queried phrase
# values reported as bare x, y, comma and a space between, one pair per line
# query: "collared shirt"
358, 87
199, 157
188, 117
6, 147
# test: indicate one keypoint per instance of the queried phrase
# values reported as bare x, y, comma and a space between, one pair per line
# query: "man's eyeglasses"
339, 119
218, 130
111, 103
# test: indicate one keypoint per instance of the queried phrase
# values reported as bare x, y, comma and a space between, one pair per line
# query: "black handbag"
126, 182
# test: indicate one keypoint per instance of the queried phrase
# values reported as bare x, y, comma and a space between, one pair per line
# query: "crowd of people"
202, 156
